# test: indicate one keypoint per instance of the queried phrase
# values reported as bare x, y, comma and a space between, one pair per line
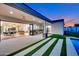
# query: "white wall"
57, 28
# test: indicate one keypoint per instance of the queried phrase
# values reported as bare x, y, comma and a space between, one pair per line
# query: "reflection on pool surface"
76, 44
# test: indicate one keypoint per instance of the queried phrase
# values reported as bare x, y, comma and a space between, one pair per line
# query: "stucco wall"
57, 28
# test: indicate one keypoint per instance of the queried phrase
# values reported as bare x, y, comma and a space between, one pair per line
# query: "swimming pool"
76, 44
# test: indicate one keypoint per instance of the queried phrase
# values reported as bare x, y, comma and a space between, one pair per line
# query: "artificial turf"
23, 48
33, 51
48, 51
72, 34
63, 50
53, 45
58, 36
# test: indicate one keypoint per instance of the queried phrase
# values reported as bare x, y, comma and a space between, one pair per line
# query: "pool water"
76, 44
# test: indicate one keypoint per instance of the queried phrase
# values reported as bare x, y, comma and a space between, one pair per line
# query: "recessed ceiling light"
11, 12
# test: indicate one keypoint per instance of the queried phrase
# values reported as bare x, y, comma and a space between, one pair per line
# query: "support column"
31, 29
45, 34
0, 37
0, 31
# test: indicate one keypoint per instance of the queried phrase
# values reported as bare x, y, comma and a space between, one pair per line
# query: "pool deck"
14, 44
70, 48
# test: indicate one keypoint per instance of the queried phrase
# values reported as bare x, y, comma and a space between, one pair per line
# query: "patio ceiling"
8, 13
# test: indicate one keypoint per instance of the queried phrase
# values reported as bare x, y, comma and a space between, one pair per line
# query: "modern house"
25, 32
19, 17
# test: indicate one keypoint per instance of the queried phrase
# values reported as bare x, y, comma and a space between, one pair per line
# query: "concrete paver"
12, 45
44, 48
57, 49
31, 48
70, 48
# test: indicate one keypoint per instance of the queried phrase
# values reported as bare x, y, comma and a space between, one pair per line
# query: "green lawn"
72, 35
33, 51
63, 50
23, 48
58, 36
48, 51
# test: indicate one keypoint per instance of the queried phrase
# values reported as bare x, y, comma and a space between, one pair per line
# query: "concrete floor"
14, 44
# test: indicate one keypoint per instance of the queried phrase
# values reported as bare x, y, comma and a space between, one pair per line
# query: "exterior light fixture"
11, 12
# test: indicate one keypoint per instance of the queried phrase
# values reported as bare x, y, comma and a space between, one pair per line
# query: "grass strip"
50, 48
33, 51
24, 48
63, 50
57, 36
72, 34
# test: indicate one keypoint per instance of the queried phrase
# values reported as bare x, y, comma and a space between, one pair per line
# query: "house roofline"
25, 8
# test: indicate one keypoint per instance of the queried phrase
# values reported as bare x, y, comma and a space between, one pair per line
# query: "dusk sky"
70, 12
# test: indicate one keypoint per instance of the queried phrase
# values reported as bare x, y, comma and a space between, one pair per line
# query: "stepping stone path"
56, 51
